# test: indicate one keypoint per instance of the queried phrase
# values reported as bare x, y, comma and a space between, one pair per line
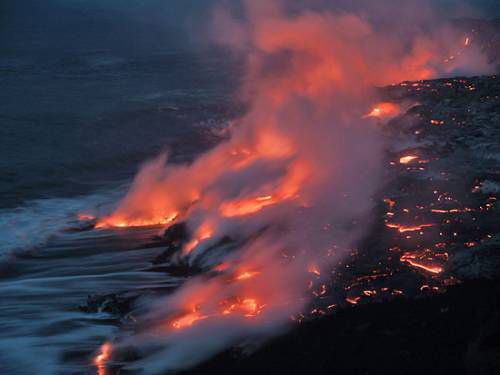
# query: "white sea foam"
31, 225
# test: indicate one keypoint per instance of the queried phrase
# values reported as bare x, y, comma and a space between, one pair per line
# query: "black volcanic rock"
454, 333
417, 322
482, 261
173, 238
113, 303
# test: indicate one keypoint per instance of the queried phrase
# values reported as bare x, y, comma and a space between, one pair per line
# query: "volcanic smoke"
291, 188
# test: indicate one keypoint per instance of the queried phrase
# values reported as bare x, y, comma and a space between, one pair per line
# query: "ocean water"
74, 129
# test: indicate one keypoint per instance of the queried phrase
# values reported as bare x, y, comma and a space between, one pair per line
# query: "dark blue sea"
77, 120
75, 127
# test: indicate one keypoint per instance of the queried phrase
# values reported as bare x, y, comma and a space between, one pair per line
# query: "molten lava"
117, 222
246, 275
407, 159
297, 169
204, 232
384, 110
246, 206
188, 319
313, 268
102, 358
246, 307
408, 228
412, 260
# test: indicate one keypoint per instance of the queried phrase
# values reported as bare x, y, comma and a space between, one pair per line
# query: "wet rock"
177, 269
173, 238
176, 233
113, 303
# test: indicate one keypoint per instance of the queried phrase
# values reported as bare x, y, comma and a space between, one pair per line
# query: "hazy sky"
139, 24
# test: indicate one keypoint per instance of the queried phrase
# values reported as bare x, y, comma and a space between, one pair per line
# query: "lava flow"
384, 110
407, 159
286, 189
413, 261
102, 358
408, 228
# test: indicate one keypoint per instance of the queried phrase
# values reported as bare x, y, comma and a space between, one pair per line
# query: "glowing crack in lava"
413, 261
248, 307
407, 159
408, 228
285, 187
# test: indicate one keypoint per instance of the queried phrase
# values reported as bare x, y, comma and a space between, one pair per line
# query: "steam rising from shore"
292, 186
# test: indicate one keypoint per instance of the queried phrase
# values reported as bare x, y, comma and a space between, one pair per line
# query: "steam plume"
292, 186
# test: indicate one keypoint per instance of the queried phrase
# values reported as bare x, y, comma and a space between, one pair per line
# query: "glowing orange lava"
407, 159
246, 275
451, 211
408, 228
247, 307
411, 260
102, 358
437, 122
116, 222
246, 206
313, 268
353, 300
384, 110
300, 142
188, 320
204, 232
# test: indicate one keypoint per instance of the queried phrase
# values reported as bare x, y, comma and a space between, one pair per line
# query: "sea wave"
33, 224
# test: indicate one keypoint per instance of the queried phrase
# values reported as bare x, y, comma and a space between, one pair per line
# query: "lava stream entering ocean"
299, 168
